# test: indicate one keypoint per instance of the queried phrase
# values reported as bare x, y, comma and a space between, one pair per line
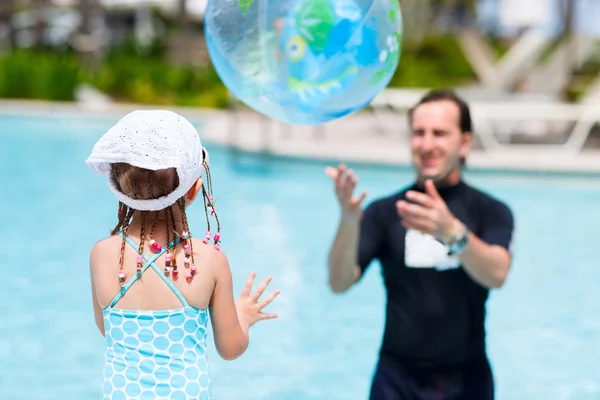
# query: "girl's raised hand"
249, 307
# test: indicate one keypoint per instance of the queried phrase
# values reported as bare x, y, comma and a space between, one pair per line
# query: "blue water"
278, 218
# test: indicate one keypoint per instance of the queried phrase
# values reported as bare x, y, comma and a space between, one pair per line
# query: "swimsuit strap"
149, 263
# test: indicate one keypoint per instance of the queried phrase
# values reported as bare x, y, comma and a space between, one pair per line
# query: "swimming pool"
278, 217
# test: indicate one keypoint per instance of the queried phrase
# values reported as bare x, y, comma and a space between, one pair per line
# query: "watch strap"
460, 244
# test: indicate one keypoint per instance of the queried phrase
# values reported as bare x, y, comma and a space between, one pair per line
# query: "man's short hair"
465, 121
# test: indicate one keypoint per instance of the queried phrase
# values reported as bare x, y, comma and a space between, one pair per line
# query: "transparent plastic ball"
304, 62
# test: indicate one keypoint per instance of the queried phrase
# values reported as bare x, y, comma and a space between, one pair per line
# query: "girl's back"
155, 328
153, 284
150, 291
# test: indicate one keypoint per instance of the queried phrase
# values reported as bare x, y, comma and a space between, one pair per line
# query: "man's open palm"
345, 181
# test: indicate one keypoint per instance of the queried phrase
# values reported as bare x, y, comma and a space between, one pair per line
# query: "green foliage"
126, 75
437, 62
583, 78
132, 76
45, 75
129, 74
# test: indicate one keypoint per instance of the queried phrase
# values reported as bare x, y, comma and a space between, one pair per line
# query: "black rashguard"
435, 317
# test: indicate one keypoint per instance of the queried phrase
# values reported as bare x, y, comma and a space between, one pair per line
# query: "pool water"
278, 217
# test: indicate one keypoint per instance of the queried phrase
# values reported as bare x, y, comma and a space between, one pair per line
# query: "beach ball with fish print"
304, 62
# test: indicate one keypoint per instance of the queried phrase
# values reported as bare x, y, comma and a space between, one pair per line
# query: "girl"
153, 283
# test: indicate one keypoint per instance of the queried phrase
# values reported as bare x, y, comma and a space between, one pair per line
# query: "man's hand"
428, 213
345, 182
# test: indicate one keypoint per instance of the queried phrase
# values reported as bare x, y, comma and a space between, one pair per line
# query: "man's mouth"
429, 161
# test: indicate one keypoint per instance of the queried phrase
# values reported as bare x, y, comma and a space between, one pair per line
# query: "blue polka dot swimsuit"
155, 354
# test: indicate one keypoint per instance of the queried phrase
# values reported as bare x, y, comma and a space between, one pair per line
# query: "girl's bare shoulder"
105, 248
209, 255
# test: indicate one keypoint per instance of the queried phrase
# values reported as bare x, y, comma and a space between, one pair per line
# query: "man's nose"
427, 141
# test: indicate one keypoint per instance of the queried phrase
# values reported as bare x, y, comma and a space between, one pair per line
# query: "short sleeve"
498, 227
371, 236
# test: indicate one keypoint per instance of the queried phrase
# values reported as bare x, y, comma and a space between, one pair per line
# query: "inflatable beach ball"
304, 62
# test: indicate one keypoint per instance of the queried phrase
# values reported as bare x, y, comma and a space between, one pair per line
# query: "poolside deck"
352, 139
355, 139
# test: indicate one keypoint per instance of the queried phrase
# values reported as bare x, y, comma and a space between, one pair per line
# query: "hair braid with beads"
140, 261
209, 203
124, 226
132, 181
186, 229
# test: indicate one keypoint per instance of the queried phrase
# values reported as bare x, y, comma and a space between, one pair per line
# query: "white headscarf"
154, 140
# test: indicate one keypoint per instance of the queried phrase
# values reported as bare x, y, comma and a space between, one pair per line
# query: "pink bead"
187, 247
189, 276
193, 268
156, 247
210, 198
217, 247
140, 259
208, 234
168, 258
205, 240
217, 236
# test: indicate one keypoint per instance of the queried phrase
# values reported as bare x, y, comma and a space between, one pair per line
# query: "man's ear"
465, 146
194, 190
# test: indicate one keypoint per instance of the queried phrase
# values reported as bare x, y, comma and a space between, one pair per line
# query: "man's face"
437, 142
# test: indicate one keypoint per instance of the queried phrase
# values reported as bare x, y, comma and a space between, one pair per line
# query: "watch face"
461, 243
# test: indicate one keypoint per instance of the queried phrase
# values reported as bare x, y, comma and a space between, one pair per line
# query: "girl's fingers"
268, 300
262, 316
261, 289
248, 286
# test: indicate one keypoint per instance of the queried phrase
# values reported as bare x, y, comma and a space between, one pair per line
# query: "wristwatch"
461, 243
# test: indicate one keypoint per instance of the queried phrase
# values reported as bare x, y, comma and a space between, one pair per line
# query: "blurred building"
108, 23
510, 17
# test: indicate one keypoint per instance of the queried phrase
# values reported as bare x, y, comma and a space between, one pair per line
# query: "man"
442, 246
